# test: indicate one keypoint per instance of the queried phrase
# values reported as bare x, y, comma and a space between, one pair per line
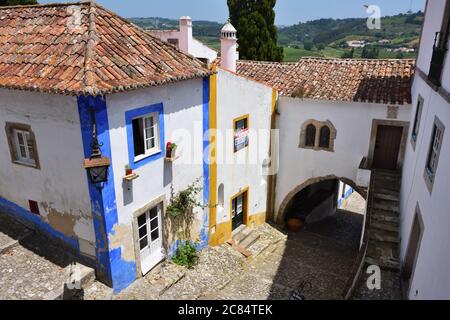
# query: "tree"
254, 21
4, 3
348, 54
308, 45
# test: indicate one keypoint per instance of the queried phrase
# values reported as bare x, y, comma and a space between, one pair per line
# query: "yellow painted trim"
272, 179
235, 121
256, 220
212, 157
243, 191
274, 100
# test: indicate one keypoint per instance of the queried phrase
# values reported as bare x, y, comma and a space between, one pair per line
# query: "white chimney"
229, 54
185, 34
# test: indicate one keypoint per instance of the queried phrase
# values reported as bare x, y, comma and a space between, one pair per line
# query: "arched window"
325, 137
221, 196
310, 139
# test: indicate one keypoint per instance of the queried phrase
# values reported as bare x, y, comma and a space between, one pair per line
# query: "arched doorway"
314, 192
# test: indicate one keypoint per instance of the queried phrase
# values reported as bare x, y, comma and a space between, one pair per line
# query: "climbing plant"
181, 209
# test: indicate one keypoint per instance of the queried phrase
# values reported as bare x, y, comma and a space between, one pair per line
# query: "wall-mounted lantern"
96, 166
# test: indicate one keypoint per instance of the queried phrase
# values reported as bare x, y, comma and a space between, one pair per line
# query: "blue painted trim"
132, 114
204, 233
346, 196
110, 265
36, 222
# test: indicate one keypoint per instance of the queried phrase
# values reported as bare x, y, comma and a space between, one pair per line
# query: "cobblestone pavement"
322, 255
31, 269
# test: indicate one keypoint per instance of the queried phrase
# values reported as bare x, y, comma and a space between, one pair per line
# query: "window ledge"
146, 156
26, 164
131, 177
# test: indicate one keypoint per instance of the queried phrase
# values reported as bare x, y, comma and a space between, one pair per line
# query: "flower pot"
295, 225
128, 172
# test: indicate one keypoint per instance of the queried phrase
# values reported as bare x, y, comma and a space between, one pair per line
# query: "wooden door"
150, 238
239, 210
387, 147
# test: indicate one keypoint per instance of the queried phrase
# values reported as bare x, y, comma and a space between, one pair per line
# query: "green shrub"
186, 255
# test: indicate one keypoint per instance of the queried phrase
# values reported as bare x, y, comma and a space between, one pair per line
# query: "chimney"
185, 34
229, 54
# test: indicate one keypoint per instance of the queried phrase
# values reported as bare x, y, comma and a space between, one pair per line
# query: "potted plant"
170, 150
128, 170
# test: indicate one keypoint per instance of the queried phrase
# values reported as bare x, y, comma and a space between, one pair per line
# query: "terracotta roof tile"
82, 48
380, 81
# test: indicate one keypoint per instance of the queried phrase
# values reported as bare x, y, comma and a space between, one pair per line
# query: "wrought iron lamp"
96, 166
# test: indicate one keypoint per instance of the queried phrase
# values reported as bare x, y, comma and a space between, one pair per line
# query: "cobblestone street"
322, 255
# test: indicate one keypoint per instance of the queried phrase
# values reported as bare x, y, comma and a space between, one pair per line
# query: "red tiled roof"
378, 81
82, 48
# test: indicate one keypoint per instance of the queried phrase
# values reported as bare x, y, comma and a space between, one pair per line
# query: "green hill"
324, 37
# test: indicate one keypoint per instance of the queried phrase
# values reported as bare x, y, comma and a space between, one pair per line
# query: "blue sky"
288, 11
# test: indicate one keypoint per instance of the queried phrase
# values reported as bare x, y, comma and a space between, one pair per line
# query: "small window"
310, 136
175, 42
221, 195
22, 144
435, 149
325, 134
146, 136
34, 207
241, 132
417, 119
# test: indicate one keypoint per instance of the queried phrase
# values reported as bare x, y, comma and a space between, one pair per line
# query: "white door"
150, 238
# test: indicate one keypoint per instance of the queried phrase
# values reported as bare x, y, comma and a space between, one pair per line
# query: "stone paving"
33, 268
322, 255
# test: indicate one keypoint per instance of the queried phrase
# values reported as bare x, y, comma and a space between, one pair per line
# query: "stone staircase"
251, 242
384, 238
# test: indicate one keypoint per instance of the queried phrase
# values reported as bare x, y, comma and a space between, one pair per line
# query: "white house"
76, 65
186, 42
335, 117
425, 204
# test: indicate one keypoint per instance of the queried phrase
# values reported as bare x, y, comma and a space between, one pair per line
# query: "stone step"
383, 191
387, 197
386, 219
250, 240
384, 226
383, 213
80, 277
386, 206
384, 236
241, 234
246, 253
391, 265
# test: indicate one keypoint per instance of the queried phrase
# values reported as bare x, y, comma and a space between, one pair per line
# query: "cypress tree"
254, 21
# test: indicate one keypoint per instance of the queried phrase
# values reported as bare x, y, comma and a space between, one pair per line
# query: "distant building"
184, 40
356, 43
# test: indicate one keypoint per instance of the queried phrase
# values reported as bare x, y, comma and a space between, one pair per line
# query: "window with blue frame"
145, 133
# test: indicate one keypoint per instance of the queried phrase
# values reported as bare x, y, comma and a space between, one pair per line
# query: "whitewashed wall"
183, 110
433, 22
431, 279
353, 122
237, 97
60, 186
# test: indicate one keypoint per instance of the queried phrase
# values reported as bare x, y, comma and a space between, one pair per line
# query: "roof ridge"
88, 78
40, 5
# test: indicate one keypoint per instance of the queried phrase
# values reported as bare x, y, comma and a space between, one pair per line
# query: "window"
310, 136
318, 136
433, 155
175, 42
146, 136
22, 144
34, 207
324, 137
417, 119
241, 132
221, 196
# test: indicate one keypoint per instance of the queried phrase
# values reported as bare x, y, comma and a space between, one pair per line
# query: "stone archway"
281, 215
